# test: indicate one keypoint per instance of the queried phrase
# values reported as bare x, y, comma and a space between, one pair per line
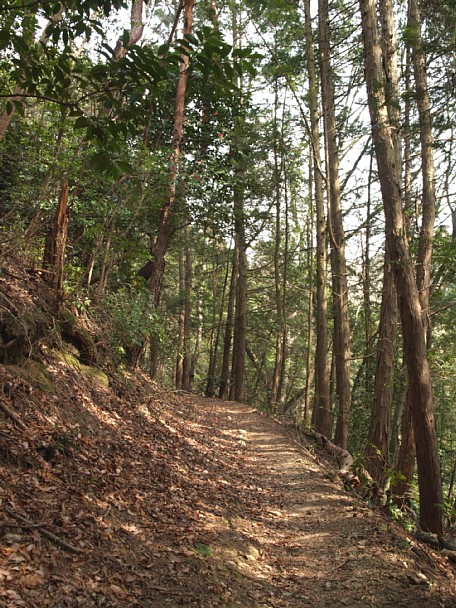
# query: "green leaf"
82, 122
162, 49
192, 39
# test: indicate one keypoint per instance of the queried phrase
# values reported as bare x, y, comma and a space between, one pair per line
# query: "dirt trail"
176, 500
316, 544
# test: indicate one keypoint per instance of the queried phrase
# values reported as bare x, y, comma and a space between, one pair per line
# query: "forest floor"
117, 493
156, 499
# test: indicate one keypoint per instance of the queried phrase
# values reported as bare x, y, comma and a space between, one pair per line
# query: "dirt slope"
162, 500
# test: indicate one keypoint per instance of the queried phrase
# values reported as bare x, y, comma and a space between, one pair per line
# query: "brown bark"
187, 362
136, 29
240, 324
420, 384
338, 263
279, 354
161, 242
425, 242
181, 320
377, 452
224, 374
216, 328
322, 402
405, 460
54, 249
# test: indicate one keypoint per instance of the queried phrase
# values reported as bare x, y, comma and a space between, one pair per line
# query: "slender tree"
377, 453
162, 239
338, 262
322, 418
389, 168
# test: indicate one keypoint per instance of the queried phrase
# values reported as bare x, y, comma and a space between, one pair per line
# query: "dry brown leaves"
181, 501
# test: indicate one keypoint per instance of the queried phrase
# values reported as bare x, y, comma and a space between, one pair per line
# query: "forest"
251, 200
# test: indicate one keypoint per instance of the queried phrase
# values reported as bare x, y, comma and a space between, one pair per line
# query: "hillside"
115, 492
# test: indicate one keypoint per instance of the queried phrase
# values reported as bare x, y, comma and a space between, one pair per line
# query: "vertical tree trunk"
322, 418
404, 454
161, 242
54, 249
224, 374
425, 242
274, 396
420, 384
405, 460
240, 325
310, 266
216, 328
181, 319
136, 29
339, 271
187, 362
377, 452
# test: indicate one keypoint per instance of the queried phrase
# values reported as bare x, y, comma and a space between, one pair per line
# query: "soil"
156, 499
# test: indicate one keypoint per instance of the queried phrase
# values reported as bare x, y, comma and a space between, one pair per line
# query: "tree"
322, 402
389, 168
337, 238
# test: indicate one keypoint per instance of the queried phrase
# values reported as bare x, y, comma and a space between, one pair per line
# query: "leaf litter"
155, 499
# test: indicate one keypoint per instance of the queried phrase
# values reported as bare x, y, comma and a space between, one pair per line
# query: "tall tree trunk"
224, 374
161, 242
366, 281
404, 455
187, 363
310, 266
322, 418
274, 396
389, 169
216, 328
405, 458
339, 271
425, 242
377, 453
240, 325
136, 29
54, 249
181, 319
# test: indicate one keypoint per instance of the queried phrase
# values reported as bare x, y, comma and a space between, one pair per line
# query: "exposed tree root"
49, 535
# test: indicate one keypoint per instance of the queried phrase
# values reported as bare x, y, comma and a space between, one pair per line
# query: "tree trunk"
377, 452
338, 263
161, 242
240, 325
322, 418
211, 381
274, 396
54, 249
420, 384
425, 242
310, 266
224, 374
405, 460
136, 29
181, 319
187, 363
